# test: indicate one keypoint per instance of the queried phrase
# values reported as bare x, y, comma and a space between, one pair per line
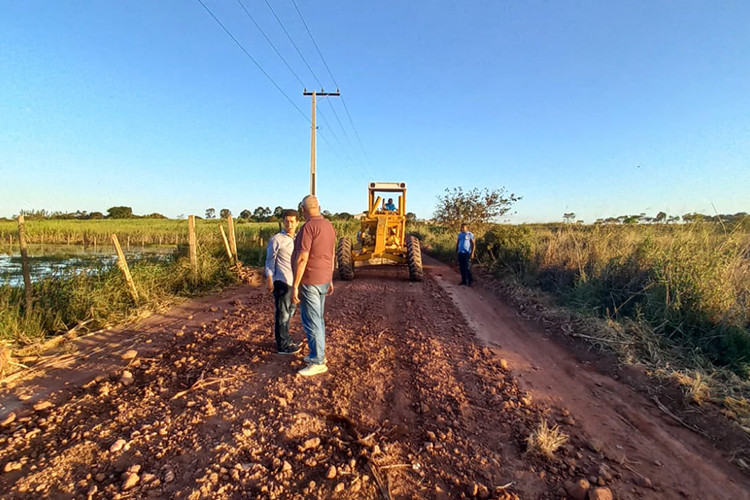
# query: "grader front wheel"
414, 258
344, 259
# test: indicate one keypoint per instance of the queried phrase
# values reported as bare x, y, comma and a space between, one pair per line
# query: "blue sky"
600, 108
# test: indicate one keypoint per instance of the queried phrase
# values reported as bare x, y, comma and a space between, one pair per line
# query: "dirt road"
425, 398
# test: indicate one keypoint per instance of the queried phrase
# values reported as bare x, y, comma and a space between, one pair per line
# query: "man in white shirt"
280, 281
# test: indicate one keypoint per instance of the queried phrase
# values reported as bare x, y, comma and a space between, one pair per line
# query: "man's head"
464, 227
310, 206
390, 201
290, 221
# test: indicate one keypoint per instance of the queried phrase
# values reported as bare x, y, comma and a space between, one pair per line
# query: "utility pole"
312, 138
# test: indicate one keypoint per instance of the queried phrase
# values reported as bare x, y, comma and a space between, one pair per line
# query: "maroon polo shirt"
318, 238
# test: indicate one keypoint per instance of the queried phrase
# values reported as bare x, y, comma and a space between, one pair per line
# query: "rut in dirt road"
412, 407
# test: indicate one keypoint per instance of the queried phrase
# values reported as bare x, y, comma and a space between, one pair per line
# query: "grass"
544, 441
131, 231
673, 298
695, 386
99, 297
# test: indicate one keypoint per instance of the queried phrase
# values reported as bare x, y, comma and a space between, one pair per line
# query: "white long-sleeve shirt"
279, 257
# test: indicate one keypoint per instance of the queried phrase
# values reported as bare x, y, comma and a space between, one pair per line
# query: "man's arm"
473, 246
272, 251
333, 266
301, 266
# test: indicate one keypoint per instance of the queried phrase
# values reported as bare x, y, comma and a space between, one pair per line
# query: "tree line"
112, 213
260, 214
265, 214
664, 218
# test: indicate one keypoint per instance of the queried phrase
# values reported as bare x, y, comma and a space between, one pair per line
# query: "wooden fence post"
25, 262
233, 239
192, 250
123, 265
226, 245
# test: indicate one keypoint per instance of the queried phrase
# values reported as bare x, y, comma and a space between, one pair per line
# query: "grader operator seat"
382, 234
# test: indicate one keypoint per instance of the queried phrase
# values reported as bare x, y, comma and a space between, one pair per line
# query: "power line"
315, 76
294, 73
314, 43
270, 43
346, 108
249, 56
254, 61
286, 63
299, 52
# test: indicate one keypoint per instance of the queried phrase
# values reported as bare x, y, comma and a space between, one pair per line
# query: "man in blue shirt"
465, 247
390, 206
280, 280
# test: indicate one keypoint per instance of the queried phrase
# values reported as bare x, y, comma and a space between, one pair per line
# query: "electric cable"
346, 108
254, 61
271, 43
286, 63
299, 52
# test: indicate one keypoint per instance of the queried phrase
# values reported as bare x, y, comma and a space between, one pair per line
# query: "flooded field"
55, 260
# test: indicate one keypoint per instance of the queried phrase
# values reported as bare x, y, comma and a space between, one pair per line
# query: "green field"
130, 231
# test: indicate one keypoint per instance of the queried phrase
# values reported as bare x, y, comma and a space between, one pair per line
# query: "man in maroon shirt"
312, 260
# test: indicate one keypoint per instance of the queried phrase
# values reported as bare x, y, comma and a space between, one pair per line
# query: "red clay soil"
432, 392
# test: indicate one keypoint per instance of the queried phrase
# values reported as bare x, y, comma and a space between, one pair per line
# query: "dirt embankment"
418, 403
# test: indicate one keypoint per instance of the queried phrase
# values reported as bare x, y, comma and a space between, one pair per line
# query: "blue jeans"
464, 263
312, 301
282, 298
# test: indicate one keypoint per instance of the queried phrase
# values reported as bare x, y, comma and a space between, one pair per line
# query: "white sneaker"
312, 369
307, 359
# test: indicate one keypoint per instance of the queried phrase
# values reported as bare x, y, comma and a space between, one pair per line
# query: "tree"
262, 214
278, 212
660, 217
246, 214
210, 213
569, 217
326, 214
224, 213
475, 207
411, 217
120, 213
96, 215
343, 216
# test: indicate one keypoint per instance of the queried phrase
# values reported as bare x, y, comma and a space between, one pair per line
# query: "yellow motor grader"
382, 236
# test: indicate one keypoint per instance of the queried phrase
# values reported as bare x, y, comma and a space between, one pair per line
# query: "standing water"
56, 260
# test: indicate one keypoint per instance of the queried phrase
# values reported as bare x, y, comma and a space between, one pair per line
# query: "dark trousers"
282, 298
464, 264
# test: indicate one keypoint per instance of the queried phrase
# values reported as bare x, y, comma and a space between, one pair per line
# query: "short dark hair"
290, 213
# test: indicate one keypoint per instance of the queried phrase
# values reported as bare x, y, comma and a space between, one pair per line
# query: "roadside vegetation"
94, 298
674, 298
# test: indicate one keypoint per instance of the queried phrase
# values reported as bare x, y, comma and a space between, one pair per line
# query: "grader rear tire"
414, 258
344, 259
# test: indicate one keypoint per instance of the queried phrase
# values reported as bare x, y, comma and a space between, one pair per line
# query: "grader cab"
382, 236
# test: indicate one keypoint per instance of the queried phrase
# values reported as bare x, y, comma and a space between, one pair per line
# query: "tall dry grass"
675, 298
